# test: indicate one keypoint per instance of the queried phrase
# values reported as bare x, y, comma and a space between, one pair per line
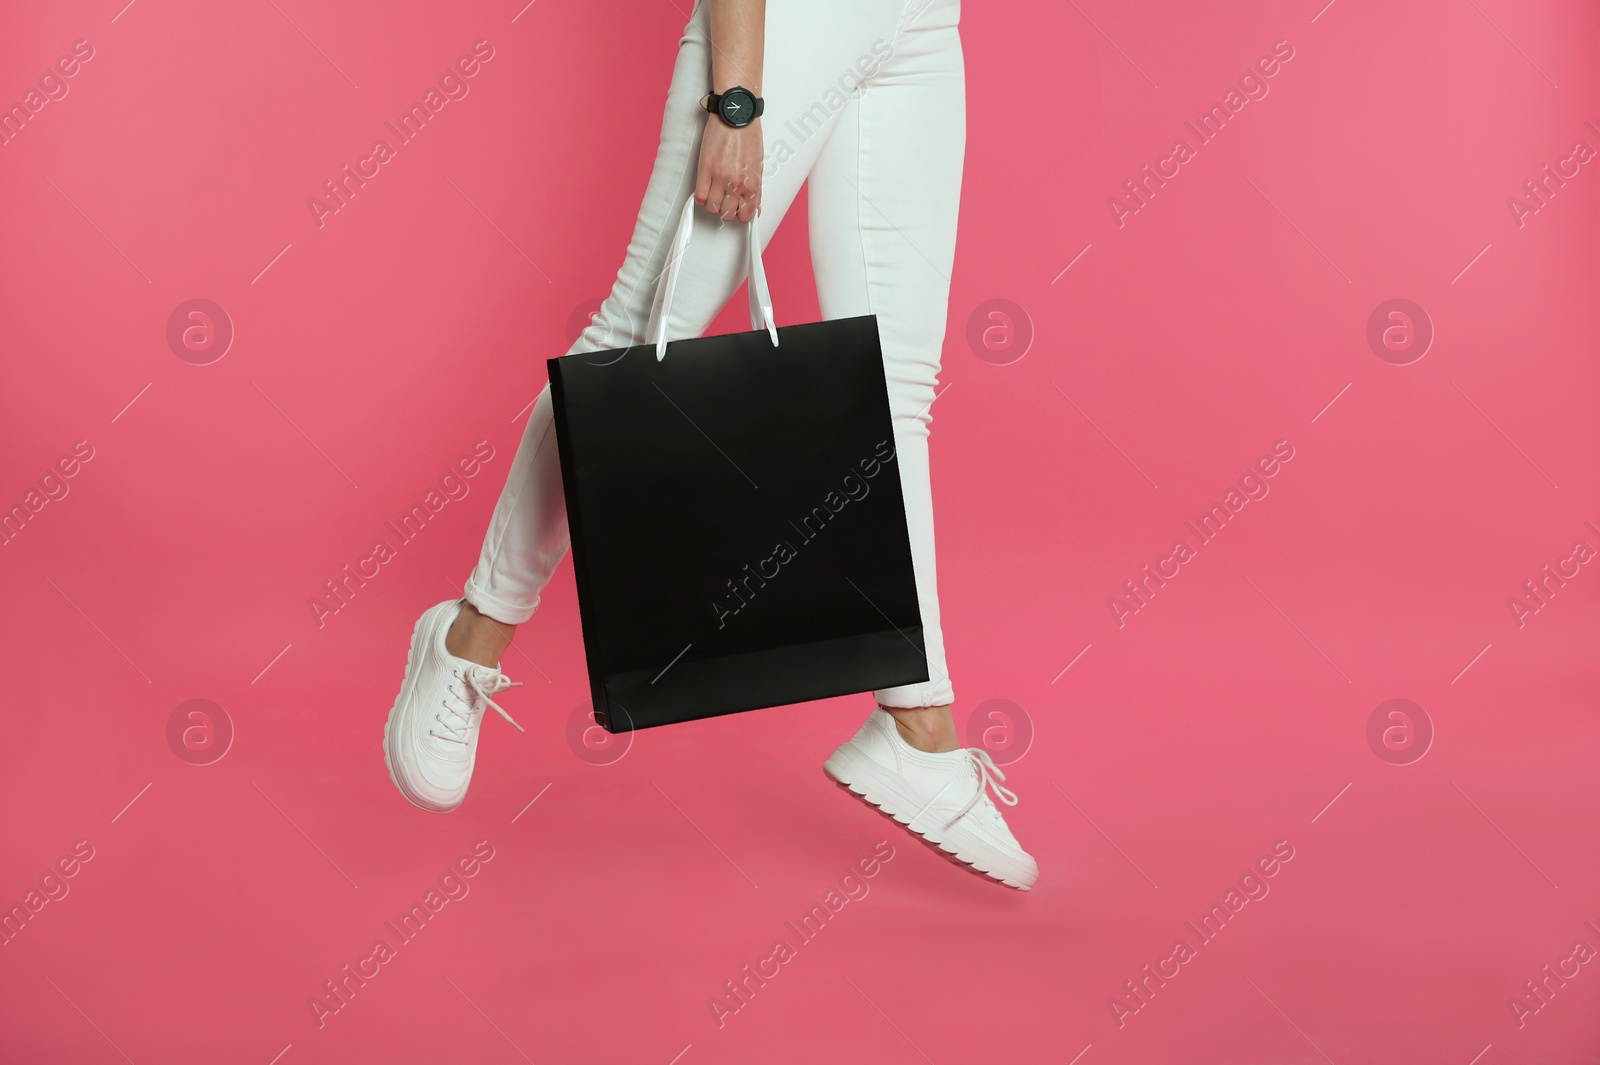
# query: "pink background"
1229, 713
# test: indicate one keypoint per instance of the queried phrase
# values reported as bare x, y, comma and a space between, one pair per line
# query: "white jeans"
867, 100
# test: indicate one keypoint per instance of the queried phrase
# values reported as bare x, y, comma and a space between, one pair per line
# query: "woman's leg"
815, 48
883, 201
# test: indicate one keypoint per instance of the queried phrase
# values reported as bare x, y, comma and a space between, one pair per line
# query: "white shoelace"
989, 776
461, 709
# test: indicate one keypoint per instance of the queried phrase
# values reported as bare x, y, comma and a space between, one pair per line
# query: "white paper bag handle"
661, 307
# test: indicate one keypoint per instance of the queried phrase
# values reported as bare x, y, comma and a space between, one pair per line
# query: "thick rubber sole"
412, 653
888, 792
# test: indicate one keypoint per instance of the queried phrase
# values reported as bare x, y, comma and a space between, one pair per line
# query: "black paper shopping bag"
739, 536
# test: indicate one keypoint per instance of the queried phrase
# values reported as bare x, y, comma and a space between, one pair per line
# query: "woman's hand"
729, 180
728, 183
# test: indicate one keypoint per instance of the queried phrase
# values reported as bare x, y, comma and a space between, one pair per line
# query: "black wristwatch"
737, 107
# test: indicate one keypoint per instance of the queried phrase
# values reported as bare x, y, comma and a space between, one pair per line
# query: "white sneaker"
431, 738
942, 797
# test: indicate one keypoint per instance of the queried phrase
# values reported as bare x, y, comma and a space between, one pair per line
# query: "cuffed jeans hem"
498, 609
910, 696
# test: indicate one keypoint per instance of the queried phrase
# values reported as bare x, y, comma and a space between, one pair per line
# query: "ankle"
929, 729
477, 637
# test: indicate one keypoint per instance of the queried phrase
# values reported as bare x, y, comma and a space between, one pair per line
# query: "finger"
702, 186
730, 202
713, 199
752, 202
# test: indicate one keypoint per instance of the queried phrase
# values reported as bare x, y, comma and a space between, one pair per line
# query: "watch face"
738, 107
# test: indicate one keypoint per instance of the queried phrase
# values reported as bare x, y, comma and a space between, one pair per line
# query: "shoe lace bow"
989, 777
465, 701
